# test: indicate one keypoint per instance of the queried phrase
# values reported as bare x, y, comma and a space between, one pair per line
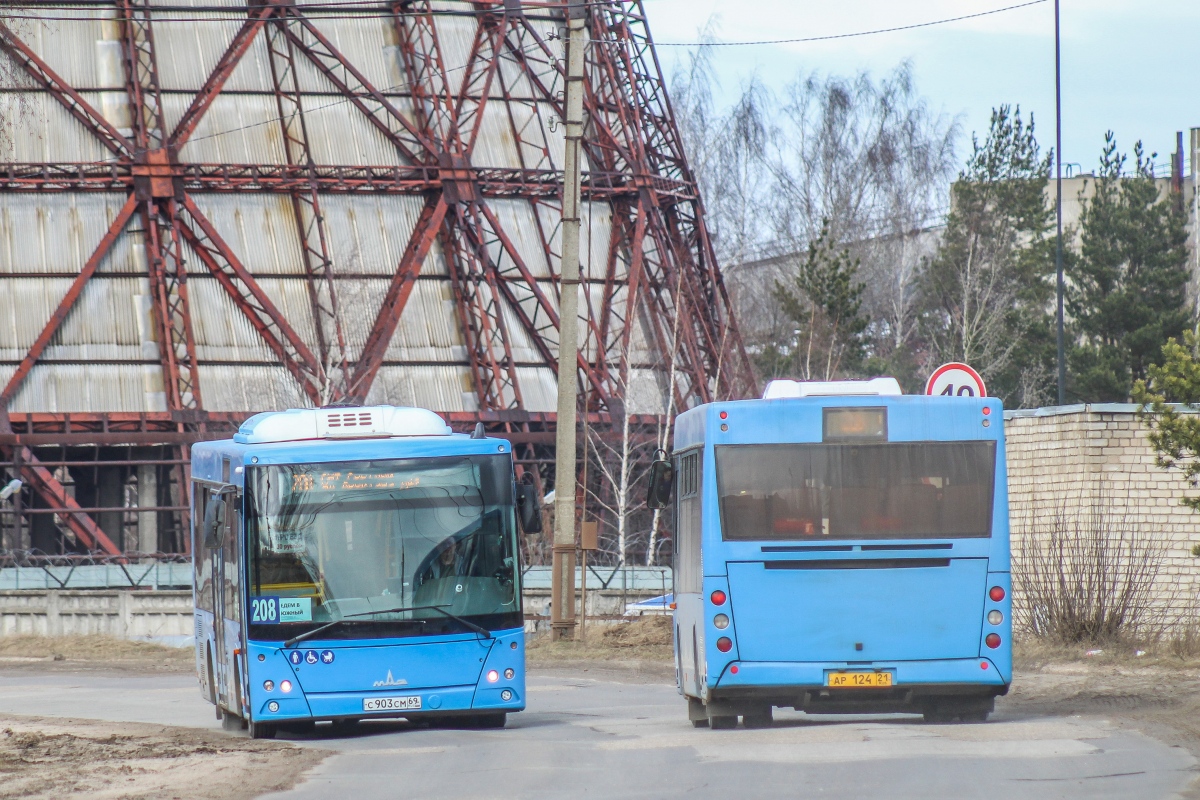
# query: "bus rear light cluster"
995, 617
724, 644
721, 621
996, 593
718, 598
992, 640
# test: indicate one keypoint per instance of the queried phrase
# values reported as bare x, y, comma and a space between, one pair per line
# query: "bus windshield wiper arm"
466, 623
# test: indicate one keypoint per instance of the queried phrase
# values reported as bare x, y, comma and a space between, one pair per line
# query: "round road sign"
955, 380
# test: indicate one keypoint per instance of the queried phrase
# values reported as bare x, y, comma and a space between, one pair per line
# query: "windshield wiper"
441, 610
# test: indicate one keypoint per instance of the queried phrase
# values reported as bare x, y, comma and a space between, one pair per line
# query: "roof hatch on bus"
876, 387
343, 422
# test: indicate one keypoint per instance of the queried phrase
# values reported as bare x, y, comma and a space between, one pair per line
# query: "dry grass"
641, 639
95, 650
1180, 652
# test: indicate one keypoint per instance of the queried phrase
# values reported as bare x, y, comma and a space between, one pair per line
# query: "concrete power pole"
562, 609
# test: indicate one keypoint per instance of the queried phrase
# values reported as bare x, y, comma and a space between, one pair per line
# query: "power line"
851, 35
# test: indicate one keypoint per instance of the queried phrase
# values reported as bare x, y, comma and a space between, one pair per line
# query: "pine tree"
824, 301
987, 290
1128, 290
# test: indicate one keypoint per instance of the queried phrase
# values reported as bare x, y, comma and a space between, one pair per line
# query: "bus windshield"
382, 545
902, 490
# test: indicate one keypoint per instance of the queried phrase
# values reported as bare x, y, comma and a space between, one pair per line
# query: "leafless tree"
866, 154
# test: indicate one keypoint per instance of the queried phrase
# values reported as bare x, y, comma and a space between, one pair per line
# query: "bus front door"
227, 613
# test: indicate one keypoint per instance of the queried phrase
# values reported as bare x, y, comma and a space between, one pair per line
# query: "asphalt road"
591, 737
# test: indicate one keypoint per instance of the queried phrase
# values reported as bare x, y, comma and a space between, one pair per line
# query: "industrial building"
210, 208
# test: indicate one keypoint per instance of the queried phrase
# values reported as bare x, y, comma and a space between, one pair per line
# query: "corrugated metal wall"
105, 357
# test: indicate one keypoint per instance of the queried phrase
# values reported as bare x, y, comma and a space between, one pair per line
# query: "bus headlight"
493, 676
995, 617
509, 673
269, 685
272, 706
506, 695
721, 621
285, 686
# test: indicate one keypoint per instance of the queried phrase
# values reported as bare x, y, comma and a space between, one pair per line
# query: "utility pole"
1058, 247
562, 609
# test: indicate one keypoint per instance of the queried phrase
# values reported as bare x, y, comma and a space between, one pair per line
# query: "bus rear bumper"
958, 671
804, 685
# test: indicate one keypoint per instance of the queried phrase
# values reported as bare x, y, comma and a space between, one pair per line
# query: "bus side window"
201, 555
688, 572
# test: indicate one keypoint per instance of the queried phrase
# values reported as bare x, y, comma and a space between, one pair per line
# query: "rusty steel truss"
661, 273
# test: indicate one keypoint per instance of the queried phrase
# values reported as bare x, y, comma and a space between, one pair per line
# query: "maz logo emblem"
390, 681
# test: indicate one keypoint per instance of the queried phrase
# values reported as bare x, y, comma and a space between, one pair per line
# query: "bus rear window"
902, 490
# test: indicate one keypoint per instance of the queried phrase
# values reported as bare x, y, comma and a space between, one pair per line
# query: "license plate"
858, 680
403, 702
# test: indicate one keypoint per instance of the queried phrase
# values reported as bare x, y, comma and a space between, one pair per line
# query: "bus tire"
261, 730
723, 722
758, 719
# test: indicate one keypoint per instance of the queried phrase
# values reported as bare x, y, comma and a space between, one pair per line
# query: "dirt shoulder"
105, 653
54, 758
638, 651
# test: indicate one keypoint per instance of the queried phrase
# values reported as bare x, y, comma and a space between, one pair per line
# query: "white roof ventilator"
875, 387
350, 422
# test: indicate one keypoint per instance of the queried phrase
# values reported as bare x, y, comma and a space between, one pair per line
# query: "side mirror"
527, 508
214, 518
662, 481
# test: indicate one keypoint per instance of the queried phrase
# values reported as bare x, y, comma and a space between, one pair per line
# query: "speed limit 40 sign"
955, 380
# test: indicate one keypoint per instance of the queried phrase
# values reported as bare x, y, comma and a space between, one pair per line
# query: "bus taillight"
725, 644
992, 640
718, 598
997, 593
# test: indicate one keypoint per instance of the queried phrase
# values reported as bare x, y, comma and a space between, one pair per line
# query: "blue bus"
840, 548
354, 563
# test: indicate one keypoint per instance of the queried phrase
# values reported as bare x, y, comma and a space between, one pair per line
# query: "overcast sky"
1132, 66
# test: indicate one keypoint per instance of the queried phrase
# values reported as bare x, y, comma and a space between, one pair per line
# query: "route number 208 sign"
955, 380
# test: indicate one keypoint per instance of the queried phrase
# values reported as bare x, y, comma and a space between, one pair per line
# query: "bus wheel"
975, 716
723, 722
758, 719
261, 730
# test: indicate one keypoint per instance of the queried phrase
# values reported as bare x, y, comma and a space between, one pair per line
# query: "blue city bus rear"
341, 578
842, 554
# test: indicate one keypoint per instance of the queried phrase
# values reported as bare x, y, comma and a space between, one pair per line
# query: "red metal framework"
659, 273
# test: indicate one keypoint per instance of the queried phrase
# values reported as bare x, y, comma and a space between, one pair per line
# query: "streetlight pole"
1058, 247
562, 573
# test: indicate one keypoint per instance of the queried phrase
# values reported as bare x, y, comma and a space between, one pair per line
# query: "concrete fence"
164, 616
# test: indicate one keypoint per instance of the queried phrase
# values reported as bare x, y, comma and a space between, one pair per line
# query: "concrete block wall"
1067, 460
163, 615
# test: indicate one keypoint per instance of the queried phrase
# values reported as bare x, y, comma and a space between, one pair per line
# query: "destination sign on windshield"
352, 480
